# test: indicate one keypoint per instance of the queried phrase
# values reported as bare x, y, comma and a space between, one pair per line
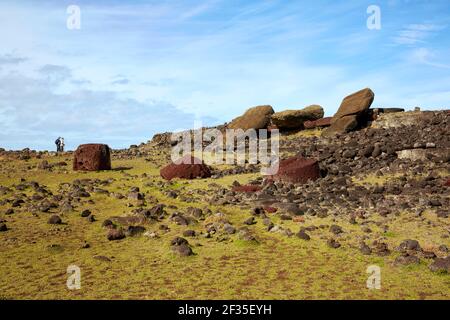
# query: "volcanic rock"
254, 118
303, 235
115, 234
246, 188
297, 170
319, 123
92, 157
181, 247
441, 265
187, 167
55, 219
294, 119
352, 112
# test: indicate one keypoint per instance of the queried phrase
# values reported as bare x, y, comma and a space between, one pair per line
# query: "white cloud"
427, 57
416, 33
40, 113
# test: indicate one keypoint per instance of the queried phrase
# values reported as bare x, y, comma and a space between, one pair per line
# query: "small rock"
410, 245
108, 224
115, 234
102, 258
407, 259
250, 221
332, 243
335, 229
189, 233
133, 231
303, 235
365, 249
55, 219
441, 265
228, 228
85, 213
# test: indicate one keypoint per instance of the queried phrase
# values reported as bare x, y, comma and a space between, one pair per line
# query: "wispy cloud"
416, 33
11, 59
427, 57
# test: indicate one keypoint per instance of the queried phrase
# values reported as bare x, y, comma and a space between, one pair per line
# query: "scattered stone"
365, 249
102, 258
3, 227
409, 245
336, 229
181, 247
228, 228
132, 231
55, 219
407, 259
246, 188
441, 265
85, 213
108, 224
303, 235
332, 243
189, 233
250, 221
115, 234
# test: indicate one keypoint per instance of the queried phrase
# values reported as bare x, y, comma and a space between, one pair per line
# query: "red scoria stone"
187, 167
92, 157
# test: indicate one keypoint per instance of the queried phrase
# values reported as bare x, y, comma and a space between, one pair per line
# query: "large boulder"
187, 167
297, 170
254, 118
294, 119
352, 113
92, 157
319, 123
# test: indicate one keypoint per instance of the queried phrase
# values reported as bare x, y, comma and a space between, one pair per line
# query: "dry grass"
277, 268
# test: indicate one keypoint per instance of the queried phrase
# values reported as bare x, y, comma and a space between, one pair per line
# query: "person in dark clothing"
58, 144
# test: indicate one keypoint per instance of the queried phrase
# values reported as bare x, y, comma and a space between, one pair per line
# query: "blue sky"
136, 68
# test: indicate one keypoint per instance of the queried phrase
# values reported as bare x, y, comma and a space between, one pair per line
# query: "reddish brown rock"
447, 183
344, 125
270, 209
92, 157
294, 119
352, 113
246, 188
254, 118
320, 123
298, 170
357, 104
187, 167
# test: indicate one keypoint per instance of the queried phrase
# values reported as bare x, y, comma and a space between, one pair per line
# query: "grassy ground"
34, 255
